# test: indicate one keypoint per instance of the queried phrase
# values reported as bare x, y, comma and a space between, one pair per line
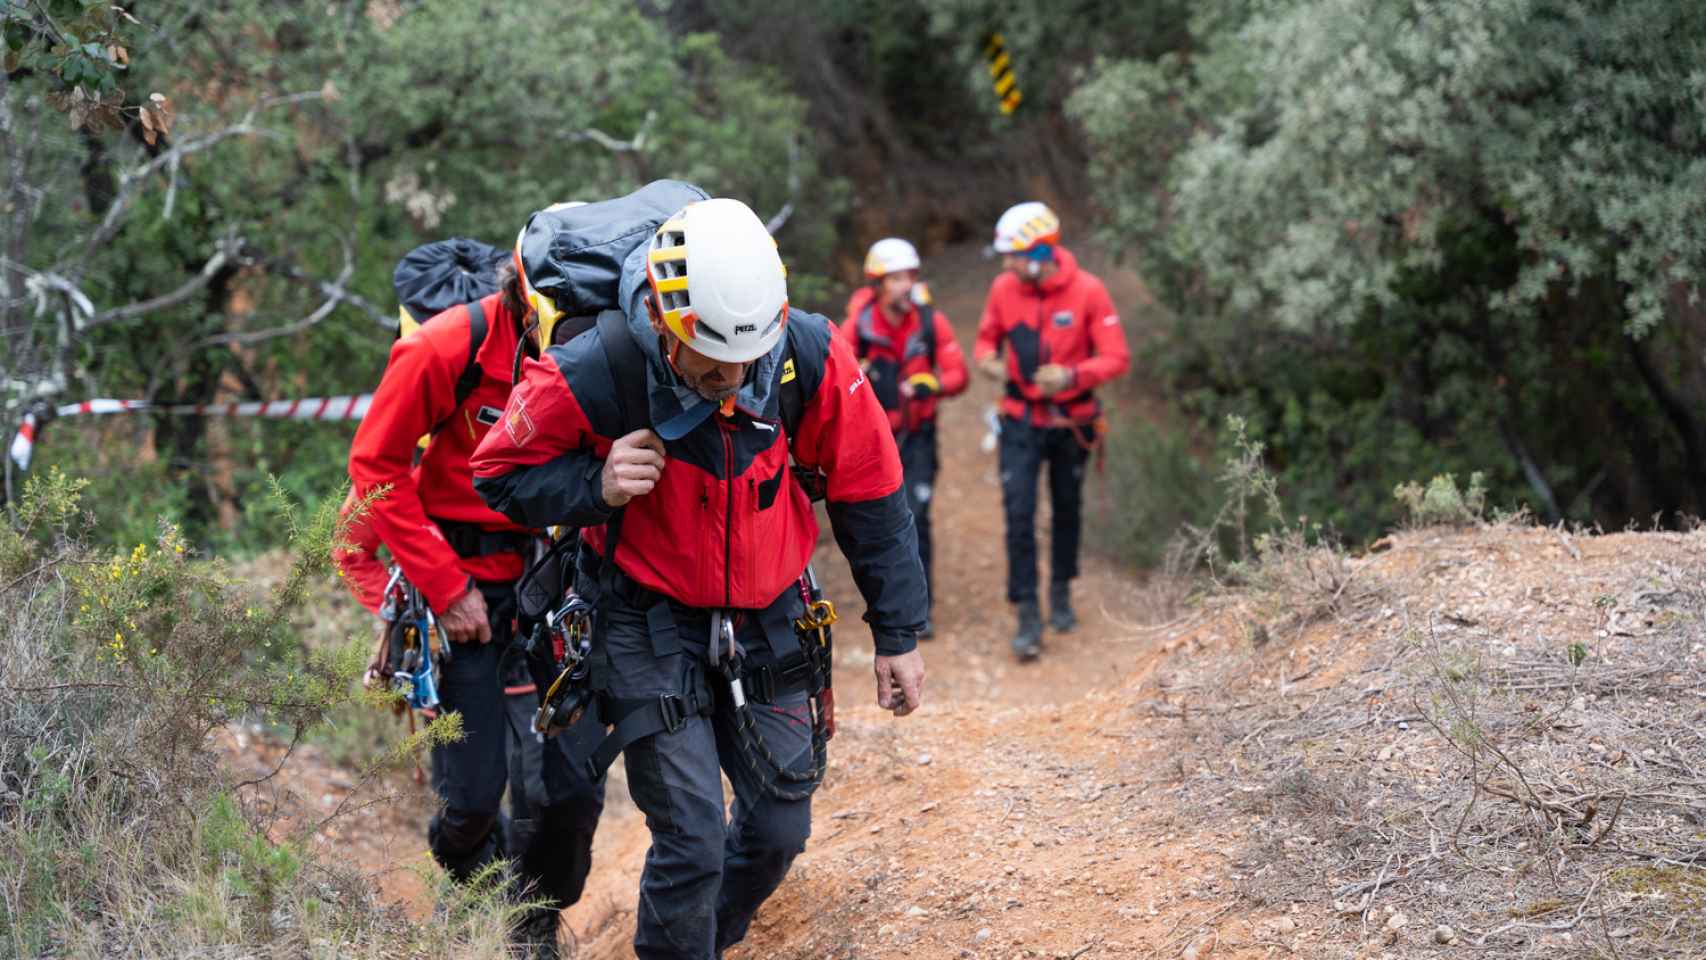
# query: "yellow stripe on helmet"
675, 320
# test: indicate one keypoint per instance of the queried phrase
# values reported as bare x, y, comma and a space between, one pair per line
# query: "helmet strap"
673, 354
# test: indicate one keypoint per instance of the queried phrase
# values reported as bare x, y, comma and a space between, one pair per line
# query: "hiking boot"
1060, 618
535, 935
1028, 639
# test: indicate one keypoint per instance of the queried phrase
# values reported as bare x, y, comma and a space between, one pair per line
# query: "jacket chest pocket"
764, 491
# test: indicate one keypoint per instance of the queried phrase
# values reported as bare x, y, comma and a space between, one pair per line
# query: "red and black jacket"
891, 352
416, 396
727, 524
1067, 319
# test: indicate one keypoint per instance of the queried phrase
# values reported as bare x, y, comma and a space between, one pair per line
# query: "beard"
716, 393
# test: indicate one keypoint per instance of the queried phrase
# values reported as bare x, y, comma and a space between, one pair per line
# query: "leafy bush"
1409, 240
249, 255
1154, 481
122, 833
1442, 501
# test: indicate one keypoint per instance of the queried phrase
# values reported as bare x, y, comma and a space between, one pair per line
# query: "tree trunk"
1682, 420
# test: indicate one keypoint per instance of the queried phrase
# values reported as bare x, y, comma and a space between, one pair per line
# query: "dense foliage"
1406, 239
246, 253
1398, 239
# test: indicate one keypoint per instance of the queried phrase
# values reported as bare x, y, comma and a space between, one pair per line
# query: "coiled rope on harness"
815, 642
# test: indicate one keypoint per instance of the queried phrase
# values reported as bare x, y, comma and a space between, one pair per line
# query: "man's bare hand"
1052, 378
900, 682
993, 366
633, 467
466, 620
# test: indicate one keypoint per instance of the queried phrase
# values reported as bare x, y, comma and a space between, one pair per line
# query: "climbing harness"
578, 697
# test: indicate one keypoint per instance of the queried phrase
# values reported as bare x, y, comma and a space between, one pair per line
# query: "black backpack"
437, 276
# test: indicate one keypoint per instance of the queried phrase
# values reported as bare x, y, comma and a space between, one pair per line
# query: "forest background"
1399, 239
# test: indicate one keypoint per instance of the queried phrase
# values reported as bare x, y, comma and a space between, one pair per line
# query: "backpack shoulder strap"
927, 330
628, 375
862, 330
805, 351
790, 394
627, 369
471, 374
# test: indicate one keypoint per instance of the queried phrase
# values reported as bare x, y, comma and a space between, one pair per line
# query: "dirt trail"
984, 729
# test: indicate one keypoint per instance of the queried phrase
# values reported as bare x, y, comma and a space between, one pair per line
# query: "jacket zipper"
728, 518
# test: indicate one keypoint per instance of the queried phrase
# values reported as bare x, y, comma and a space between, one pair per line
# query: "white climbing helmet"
717, 281
890, 255
1024, 226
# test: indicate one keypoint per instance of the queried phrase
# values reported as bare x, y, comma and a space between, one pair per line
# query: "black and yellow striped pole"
1001, 73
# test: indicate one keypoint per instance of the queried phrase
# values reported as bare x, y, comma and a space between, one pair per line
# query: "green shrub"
1155, 482
1443, 502
122, 833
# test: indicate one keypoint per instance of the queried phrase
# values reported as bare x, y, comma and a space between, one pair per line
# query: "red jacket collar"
1063, 275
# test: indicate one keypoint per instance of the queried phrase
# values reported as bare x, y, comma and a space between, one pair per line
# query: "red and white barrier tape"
307, 408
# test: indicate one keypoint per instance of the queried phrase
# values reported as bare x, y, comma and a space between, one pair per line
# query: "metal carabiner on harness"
417, 648
818, 618
567, 699
725, 656
818, 645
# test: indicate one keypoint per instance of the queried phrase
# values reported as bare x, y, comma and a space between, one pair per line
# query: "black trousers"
1025, 450
706, 872
919, 461
554, 808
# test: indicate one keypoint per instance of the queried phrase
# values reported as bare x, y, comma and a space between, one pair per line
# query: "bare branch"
609, 142
171, 159
130, 178
335, 294
334, 291
227, 252
776, 222
320, 313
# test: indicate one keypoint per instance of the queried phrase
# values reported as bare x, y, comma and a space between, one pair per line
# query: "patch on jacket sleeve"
517, 423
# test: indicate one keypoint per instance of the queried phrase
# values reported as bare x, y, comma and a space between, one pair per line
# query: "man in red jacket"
907, 348
665, 434
1061, 338
449, 380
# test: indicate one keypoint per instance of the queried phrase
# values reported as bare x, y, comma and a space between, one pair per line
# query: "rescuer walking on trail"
665, 434
1050, 333
906, 347
448, 381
